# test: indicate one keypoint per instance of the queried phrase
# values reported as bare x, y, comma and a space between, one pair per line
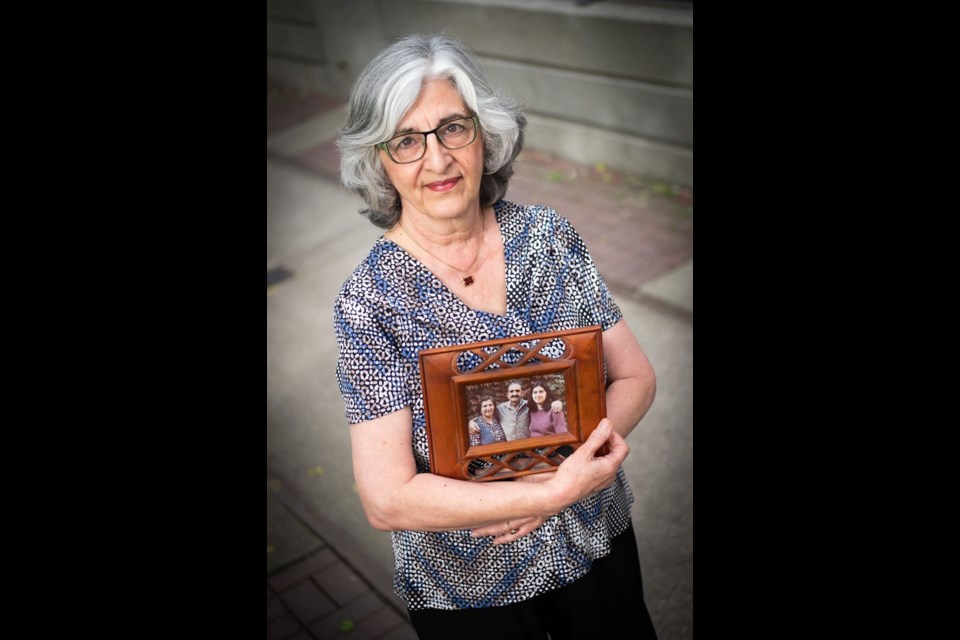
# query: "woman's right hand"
578, 475
583, 472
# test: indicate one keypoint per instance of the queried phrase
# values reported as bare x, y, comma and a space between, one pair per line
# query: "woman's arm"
395, 496
632, 382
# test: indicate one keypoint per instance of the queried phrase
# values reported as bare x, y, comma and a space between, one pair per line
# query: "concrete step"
621, 75
652, 44
639, 109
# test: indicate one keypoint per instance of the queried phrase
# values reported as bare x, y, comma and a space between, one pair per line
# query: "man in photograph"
514, 414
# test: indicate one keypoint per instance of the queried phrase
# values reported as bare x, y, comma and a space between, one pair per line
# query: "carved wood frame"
444, 394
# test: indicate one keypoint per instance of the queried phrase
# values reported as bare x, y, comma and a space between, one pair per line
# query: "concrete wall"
605, 82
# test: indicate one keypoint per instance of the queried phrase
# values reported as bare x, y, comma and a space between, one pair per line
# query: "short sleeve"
595, 304
373, 375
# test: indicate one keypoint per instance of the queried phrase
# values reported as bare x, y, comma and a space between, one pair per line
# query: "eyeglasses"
410, 147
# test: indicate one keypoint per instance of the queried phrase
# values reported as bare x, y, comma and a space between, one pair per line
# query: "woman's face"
444, 183
487, 408
539, 394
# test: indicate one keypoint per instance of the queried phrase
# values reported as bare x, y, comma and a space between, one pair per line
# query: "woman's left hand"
509, 531
501, 531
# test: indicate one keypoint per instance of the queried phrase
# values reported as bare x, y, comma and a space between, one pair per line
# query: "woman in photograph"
429, 145
484, 429
543, 421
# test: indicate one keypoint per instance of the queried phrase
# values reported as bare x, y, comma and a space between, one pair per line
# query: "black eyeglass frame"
476, 129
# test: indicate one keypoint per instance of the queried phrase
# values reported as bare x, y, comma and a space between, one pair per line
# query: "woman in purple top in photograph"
544, 422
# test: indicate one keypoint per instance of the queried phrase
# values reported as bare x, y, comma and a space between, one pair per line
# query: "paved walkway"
312, 589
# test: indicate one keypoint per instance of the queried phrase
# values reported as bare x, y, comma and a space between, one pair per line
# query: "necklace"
467, 278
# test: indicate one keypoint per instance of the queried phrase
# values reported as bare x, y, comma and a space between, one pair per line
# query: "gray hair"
385, 91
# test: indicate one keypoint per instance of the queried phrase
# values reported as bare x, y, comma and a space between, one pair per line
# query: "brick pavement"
636, 228
319, 595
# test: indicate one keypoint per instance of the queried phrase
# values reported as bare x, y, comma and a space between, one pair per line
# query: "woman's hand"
510, 530
556, 406
583, 472
473, 429
579, 475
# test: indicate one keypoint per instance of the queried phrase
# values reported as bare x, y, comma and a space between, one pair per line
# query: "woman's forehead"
439, 99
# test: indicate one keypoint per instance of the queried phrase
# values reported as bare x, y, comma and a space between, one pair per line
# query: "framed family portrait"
501, 409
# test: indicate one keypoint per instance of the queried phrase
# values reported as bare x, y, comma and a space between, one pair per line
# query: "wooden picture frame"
572, 361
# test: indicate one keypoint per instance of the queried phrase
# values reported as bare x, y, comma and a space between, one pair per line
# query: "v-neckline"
451, 292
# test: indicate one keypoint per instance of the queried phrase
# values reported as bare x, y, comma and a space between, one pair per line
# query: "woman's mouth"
443, 185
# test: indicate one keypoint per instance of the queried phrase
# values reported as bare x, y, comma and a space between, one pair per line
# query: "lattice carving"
510, 355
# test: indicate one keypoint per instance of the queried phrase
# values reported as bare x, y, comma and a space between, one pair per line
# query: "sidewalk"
313, 590
329, 572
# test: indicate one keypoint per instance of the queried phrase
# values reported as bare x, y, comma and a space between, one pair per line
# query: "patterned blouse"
389, 309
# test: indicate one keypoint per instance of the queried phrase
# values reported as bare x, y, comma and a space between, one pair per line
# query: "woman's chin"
449, 204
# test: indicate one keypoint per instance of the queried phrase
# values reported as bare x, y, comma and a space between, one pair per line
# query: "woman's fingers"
502, 530
618, 448
583, 472
517, 529
596, 440
604, 434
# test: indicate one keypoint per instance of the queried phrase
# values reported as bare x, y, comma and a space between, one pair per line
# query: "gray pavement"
329, 572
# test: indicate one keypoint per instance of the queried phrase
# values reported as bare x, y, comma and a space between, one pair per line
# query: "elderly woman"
429, 145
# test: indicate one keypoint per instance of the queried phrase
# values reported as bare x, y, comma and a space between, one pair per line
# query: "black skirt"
605, 604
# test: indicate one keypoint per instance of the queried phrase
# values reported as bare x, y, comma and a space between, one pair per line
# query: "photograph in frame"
501, 409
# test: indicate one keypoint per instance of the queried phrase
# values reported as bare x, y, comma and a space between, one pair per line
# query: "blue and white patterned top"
389, 309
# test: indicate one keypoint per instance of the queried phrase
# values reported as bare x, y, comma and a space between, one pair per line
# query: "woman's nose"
436, 157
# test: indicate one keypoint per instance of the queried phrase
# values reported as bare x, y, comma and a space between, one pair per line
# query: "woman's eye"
404, 143
453, 128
